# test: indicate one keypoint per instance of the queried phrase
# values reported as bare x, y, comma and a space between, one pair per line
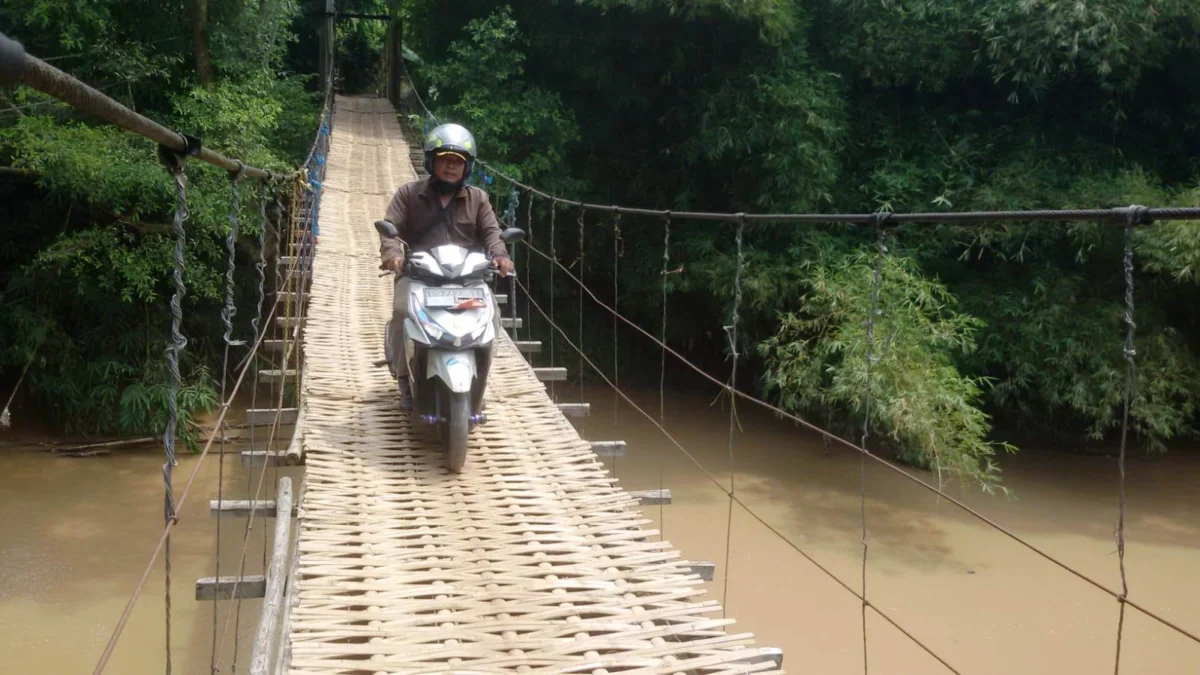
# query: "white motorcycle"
451, 326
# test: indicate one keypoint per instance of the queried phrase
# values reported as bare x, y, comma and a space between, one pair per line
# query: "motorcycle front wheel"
455, 428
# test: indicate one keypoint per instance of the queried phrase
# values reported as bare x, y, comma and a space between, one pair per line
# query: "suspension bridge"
532, 560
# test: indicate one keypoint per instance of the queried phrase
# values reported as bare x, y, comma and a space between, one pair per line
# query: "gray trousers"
399, 313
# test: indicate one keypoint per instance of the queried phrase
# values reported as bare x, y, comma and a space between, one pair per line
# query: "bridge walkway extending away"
531, 560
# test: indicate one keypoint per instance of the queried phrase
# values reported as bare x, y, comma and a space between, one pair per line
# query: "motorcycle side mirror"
386, 229
512, 234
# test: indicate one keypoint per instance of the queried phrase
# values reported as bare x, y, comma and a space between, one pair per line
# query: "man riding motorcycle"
436, 211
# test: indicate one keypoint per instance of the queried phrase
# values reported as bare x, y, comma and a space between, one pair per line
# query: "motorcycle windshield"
457, 262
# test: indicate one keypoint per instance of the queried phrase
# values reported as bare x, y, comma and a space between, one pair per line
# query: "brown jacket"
415, 205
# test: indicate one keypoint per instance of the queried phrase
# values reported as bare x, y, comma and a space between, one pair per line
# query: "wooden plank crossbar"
276, 375
609, 448
222, 588
287, 322
703, 568
531, 558
293, 297
256, 458
266, 416
509, 322
575, 409
242, 507
550, 374
529, 347
651, 497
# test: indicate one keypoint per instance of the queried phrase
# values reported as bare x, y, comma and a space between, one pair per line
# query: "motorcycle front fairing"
451, 313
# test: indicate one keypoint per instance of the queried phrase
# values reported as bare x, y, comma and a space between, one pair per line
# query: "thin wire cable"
178, 343
227, 314
876, 284
5, 419
891, 467
715, 481
1130, 392
38, 104
260, 268
731, 332
1113, 215
51, 59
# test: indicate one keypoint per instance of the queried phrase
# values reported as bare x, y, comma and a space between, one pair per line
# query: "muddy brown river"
76, 534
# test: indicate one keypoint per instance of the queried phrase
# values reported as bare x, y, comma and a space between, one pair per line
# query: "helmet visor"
452, 153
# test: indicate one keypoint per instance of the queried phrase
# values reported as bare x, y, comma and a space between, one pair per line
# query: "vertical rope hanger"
878, 221
618, 244
510, 218
553, 264
260, 269
528, 267
227, 314
662, 372
175, 167
1136, 216
731, 332
582, 214
273, 255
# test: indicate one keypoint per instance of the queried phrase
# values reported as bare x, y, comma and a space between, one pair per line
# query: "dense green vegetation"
846, 105
85, 251
985, 333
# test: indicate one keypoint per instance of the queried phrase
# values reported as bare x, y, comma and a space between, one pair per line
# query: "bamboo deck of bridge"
530, 561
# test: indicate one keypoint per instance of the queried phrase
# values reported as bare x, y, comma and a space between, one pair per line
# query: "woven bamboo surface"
530, 561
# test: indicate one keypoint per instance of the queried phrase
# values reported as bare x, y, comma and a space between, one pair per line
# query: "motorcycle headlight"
430, 326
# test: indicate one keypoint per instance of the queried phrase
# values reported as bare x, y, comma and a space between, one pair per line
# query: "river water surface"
76, 534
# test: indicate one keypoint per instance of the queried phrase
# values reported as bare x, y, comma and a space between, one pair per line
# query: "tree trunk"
200, 36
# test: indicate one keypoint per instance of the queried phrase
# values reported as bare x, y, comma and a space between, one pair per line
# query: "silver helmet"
450, 139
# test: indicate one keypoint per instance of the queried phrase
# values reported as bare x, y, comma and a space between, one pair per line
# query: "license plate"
451, 297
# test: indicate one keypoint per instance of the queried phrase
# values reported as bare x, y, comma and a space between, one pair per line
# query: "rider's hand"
393, 264
505, 266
